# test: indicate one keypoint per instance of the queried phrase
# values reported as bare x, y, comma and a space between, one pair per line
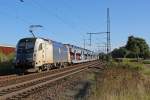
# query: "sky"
68, 21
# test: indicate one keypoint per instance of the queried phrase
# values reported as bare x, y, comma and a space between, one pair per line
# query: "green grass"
124, 80
6, 63
142, 66
146, 61
127, 59
6, 68
146, 70
127, 65
122, 83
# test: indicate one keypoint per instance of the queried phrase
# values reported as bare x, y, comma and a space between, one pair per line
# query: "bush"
112, 64
6, 63
2, 57
146, 62
132, 65
126, 64
6, 58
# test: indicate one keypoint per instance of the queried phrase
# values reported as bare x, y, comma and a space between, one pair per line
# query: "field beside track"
114, 81
6, 69
123, 81
6, 61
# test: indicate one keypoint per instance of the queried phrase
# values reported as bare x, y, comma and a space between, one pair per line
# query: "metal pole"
90, 39
108, 32
84, 43
32, 33
108, 44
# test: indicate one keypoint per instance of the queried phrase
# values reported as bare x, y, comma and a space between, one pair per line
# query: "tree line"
135, 48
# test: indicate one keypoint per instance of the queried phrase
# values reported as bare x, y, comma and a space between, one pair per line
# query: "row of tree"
135, 48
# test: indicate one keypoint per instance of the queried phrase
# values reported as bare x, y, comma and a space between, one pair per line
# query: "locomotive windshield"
26, 45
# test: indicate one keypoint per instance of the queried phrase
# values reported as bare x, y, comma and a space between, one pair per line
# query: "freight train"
38, 54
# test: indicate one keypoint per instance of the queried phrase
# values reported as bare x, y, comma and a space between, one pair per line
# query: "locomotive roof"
49, 40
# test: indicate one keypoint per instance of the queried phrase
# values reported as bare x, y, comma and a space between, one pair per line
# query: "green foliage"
105, 57
102, 56
132, 65
119, 53
138, 47
146, 61
118, 84
11, 57
6, 63
135, 48
5, 66
2, 57
6, 58
126, 64
146, 71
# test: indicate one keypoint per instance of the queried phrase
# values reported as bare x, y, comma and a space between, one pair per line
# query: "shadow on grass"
83, 91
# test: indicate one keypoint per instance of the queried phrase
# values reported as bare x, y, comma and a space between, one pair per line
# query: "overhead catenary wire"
47, 10
67, 5
88, 26
43, 8
107, 33
15, 17
31, 30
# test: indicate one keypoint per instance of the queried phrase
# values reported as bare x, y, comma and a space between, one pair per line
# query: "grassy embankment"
122, 81
6, 64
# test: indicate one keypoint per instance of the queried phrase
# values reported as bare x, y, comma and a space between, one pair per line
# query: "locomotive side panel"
40, 54
59, 53
48, 53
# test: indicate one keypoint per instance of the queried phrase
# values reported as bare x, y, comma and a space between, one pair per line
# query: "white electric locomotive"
37, 54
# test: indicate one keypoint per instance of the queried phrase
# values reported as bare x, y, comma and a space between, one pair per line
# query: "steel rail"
34, 80
34, 75
12, 90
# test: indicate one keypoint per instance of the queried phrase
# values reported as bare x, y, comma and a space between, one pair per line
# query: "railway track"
6, 77
20, 90
19, 79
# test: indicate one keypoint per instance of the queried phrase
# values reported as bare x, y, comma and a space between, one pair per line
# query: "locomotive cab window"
40, 47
